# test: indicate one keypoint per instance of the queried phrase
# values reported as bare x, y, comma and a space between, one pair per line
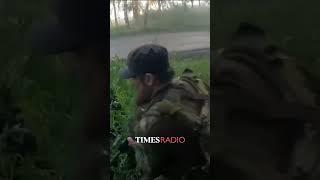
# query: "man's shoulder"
162, 112
166, 117
159, 111
164, 107
157, 114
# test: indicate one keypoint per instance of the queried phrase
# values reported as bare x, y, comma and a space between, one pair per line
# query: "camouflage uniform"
158, 118
261, 109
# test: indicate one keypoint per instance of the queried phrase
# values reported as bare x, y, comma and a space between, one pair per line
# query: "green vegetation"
172, 20
123, 109
36, 91
43, 91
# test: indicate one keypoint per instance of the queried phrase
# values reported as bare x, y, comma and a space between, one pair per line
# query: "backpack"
202, 93
281, 108
198, 92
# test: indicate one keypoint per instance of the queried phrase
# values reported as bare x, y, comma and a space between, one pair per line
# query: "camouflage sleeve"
165, 161
148, 160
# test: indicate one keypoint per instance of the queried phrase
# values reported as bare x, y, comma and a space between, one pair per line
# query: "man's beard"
144, 96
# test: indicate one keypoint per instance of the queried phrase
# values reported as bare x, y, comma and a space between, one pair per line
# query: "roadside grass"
122, 109
172, 20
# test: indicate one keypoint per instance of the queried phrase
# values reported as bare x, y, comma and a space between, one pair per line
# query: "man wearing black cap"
161, 100
152, 62
80, 28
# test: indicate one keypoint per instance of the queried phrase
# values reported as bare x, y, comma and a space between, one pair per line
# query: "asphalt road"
188, 43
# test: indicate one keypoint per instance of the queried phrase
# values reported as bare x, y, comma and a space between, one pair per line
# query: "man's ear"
149, 79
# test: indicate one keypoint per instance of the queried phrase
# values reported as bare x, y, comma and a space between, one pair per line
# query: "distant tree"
115, 12
165, 4
159, 5
119, 3
154, 2
146, 11
125, 11
191, 3
185, 4
199, 3
172, 4
135, 8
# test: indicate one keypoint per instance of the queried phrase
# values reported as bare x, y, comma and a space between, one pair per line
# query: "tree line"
144, 6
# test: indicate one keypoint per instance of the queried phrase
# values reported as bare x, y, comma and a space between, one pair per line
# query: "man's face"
144, 86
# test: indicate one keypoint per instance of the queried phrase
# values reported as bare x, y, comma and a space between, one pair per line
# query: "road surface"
195, 42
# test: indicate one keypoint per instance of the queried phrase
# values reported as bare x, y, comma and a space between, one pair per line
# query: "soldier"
263, 113
168, 107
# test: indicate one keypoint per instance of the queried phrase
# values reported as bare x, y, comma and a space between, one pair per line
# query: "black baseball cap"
248, 29
148, 58
77, 24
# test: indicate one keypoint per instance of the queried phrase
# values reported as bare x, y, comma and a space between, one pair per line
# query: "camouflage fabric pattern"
172, 113
259, 99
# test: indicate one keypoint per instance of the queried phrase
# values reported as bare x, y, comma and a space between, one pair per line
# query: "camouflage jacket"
167, 161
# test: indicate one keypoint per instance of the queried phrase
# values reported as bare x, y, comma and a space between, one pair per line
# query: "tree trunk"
199, 3
146, 11
115, 13
125, 11
192, 3
135, 9
159, 5
173, 4
119, 2
185, 4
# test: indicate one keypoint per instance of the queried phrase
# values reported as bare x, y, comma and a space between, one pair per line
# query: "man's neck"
159, 88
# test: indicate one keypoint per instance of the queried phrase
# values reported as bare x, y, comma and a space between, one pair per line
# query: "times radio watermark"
157, 140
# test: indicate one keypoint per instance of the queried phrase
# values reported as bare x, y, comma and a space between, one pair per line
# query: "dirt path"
181, 41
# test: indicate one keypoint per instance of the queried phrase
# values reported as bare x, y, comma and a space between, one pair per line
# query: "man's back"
160, 118
259, 101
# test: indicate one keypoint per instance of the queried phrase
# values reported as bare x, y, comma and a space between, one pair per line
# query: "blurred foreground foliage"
36, 100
